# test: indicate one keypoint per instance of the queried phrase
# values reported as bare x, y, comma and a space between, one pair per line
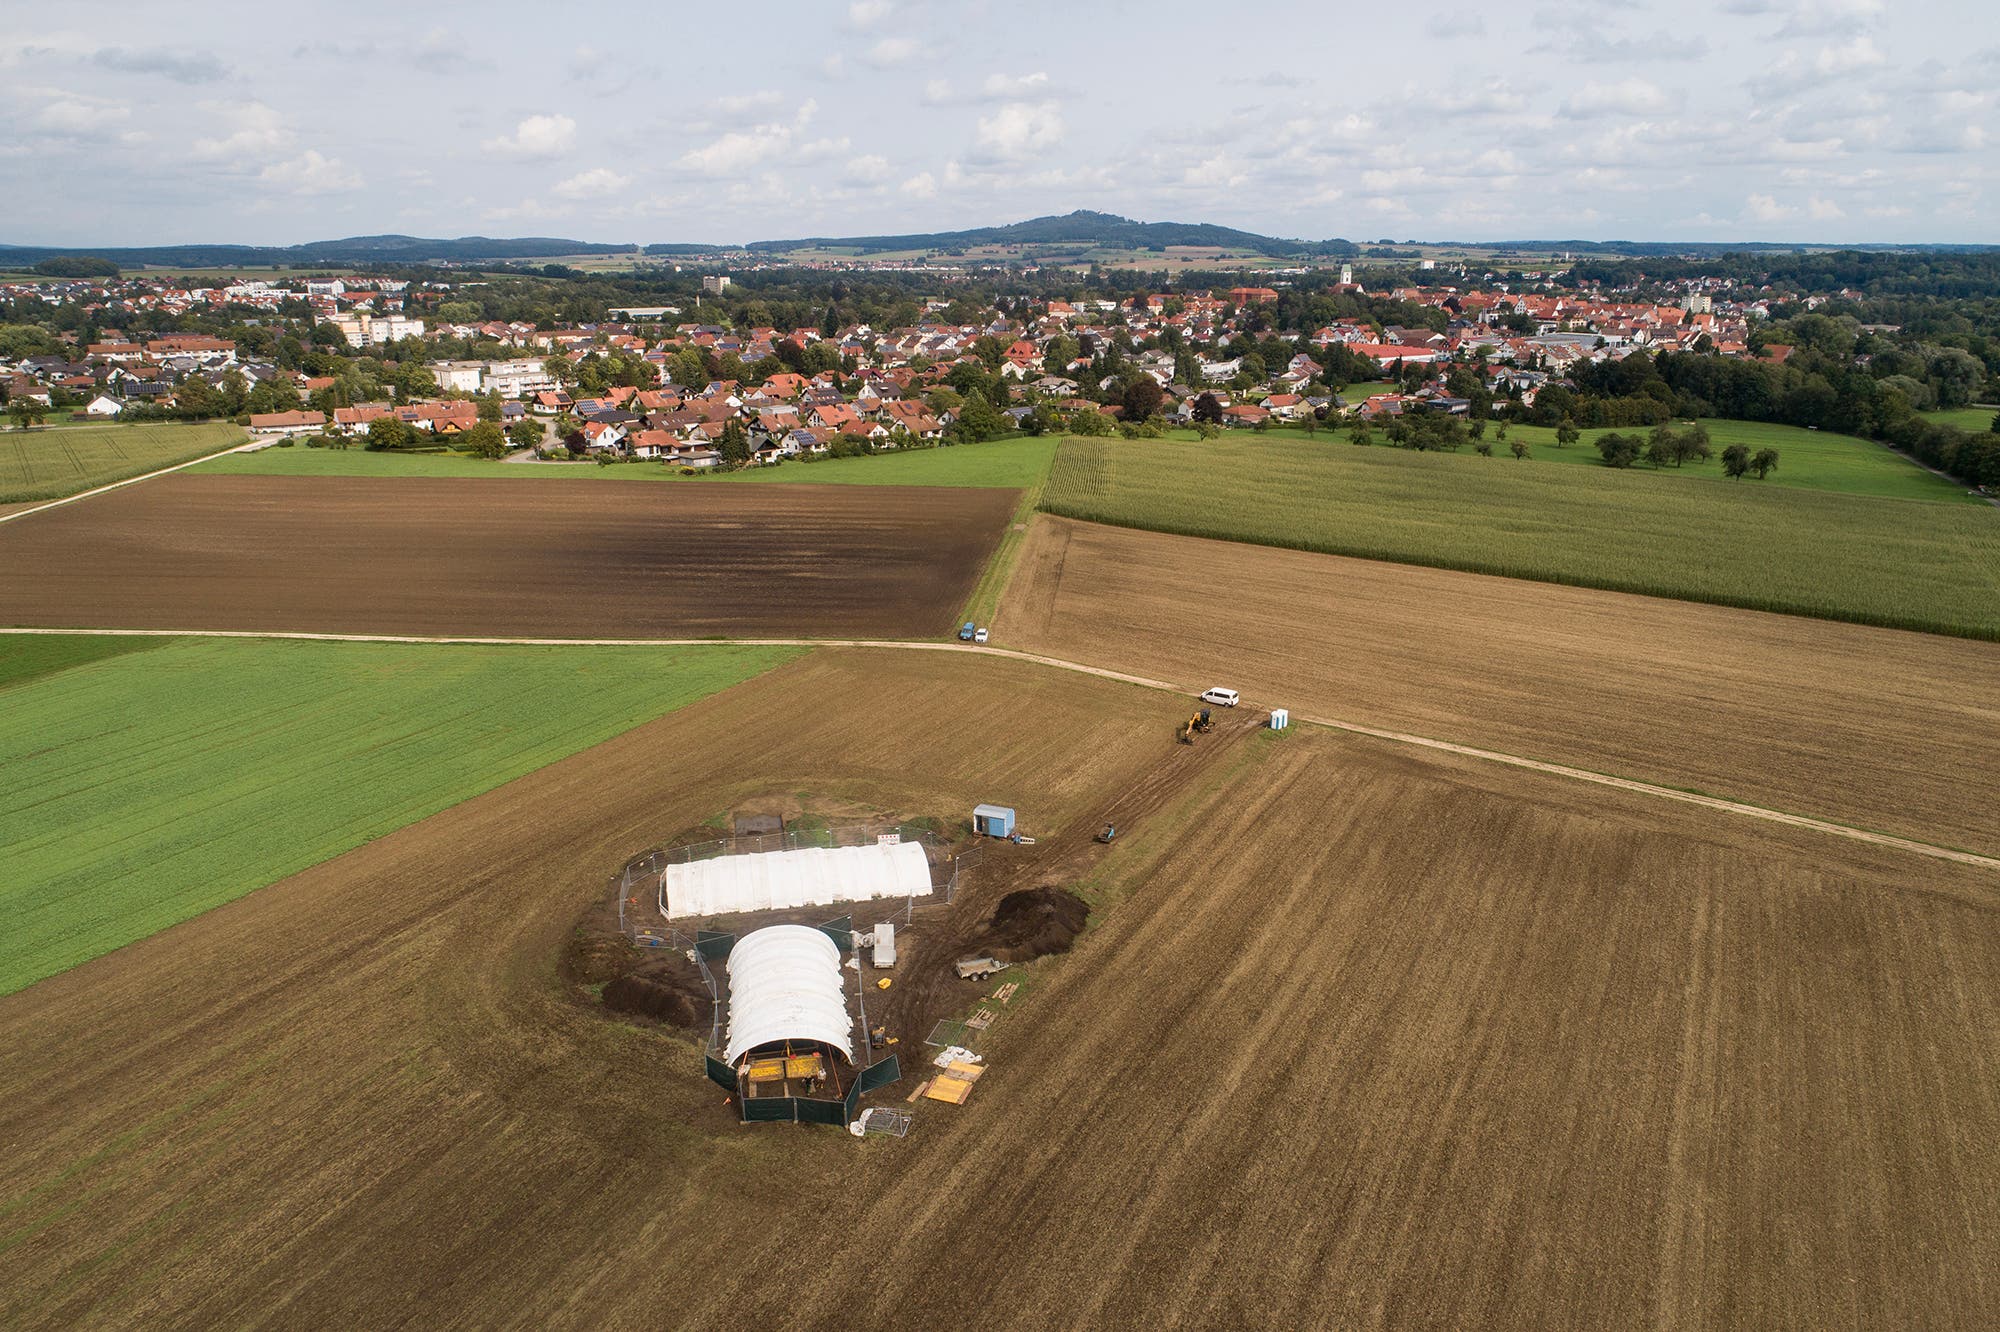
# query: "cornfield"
1897, 563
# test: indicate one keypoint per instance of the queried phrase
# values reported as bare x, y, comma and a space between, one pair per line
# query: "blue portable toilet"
993, 821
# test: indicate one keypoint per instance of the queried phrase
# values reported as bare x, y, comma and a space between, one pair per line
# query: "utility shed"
783, 880
785, 988
993, 820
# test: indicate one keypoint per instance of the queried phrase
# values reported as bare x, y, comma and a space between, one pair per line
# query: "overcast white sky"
271, 123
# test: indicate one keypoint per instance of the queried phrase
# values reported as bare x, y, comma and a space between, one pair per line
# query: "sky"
1713, 120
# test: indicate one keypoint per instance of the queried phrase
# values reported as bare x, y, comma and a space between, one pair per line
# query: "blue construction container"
993, 821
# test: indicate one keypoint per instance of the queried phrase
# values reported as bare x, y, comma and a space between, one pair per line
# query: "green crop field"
1978, 420
302, 461
1934, 567
1004, 463
48, 464
1807, 459
140, 790
1008, 464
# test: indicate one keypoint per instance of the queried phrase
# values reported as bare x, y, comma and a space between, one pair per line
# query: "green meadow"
145, 781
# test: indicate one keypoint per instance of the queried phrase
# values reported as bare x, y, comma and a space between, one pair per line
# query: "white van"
1222, 698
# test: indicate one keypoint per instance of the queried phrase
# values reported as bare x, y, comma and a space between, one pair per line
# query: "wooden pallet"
1006, 992
921, 1088
981, 1020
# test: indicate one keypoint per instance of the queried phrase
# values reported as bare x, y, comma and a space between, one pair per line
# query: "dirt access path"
1732, 807
1845, 724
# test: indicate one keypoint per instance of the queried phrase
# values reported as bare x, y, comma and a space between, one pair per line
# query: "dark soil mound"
664, 994
1033, 922
592, 959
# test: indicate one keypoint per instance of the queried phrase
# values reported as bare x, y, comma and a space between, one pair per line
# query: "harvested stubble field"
435, 556
1483, 1049
1873, 727
48, 464
1892, 562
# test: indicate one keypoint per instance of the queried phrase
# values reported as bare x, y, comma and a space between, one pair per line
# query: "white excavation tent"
784, 985
782, 880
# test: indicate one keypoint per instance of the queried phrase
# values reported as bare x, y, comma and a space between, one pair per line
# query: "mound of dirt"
663, 991
1033, 922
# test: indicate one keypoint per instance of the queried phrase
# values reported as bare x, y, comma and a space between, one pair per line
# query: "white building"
458, 376
362, 329
519, 378
716, 284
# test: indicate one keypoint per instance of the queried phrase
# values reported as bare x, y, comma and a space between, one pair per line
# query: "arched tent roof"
785, 984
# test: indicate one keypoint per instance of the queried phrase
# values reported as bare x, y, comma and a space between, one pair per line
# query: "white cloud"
993, 88
1015, 85
1628, 97
893, 51
1765, 208
255, 131
1020, 128
595, 183
739, 150
78, 117
739, 103
1860, 53
536, 136
311, 173
871, 169
923, 185
867, 13
1823, 210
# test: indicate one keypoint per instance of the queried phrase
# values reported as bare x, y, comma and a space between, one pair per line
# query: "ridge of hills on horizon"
1081, 227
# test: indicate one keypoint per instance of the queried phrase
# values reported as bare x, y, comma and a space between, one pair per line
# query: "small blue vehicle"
966, 631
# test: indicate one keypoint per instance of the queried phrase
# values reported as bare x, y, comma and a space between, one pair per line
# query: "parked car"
979, 637
1222, 698
965, 632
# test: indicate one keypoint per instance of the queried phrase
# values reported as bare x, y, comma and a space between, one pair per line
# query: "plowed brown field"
1377, 1038
1883, 729
423, 555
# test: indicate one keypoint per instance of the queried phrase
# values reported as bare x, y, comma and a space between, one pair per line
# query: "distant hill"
1079, 228
353, 250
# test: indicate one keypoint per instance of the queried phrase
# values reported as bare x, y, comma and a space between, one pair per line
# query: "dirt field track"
1877, 728
430, 555
1377, 1039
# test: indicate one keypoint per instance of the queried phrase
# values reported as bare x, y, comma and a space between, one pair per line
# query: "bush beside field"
1932, 567
142, 790
49, 464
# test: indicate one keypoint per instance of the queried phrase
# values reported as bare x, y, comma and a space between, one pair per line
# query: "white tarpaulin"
781, 880
784, 985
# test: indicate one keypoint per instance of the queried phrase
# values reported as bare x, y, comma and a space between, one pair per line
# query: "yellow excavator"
1200, 722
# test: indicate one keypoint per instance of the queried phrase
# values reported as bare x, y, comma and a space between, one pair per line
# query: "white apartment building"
362, 329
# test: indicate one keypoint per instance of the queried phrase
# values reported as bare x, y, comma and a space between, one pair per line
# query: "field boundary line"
131, 480
1717, 803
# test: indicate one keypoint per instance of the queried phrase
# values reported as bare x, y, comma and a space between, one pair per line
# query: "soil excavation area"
423, 555
1878, 728
1359, 1036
